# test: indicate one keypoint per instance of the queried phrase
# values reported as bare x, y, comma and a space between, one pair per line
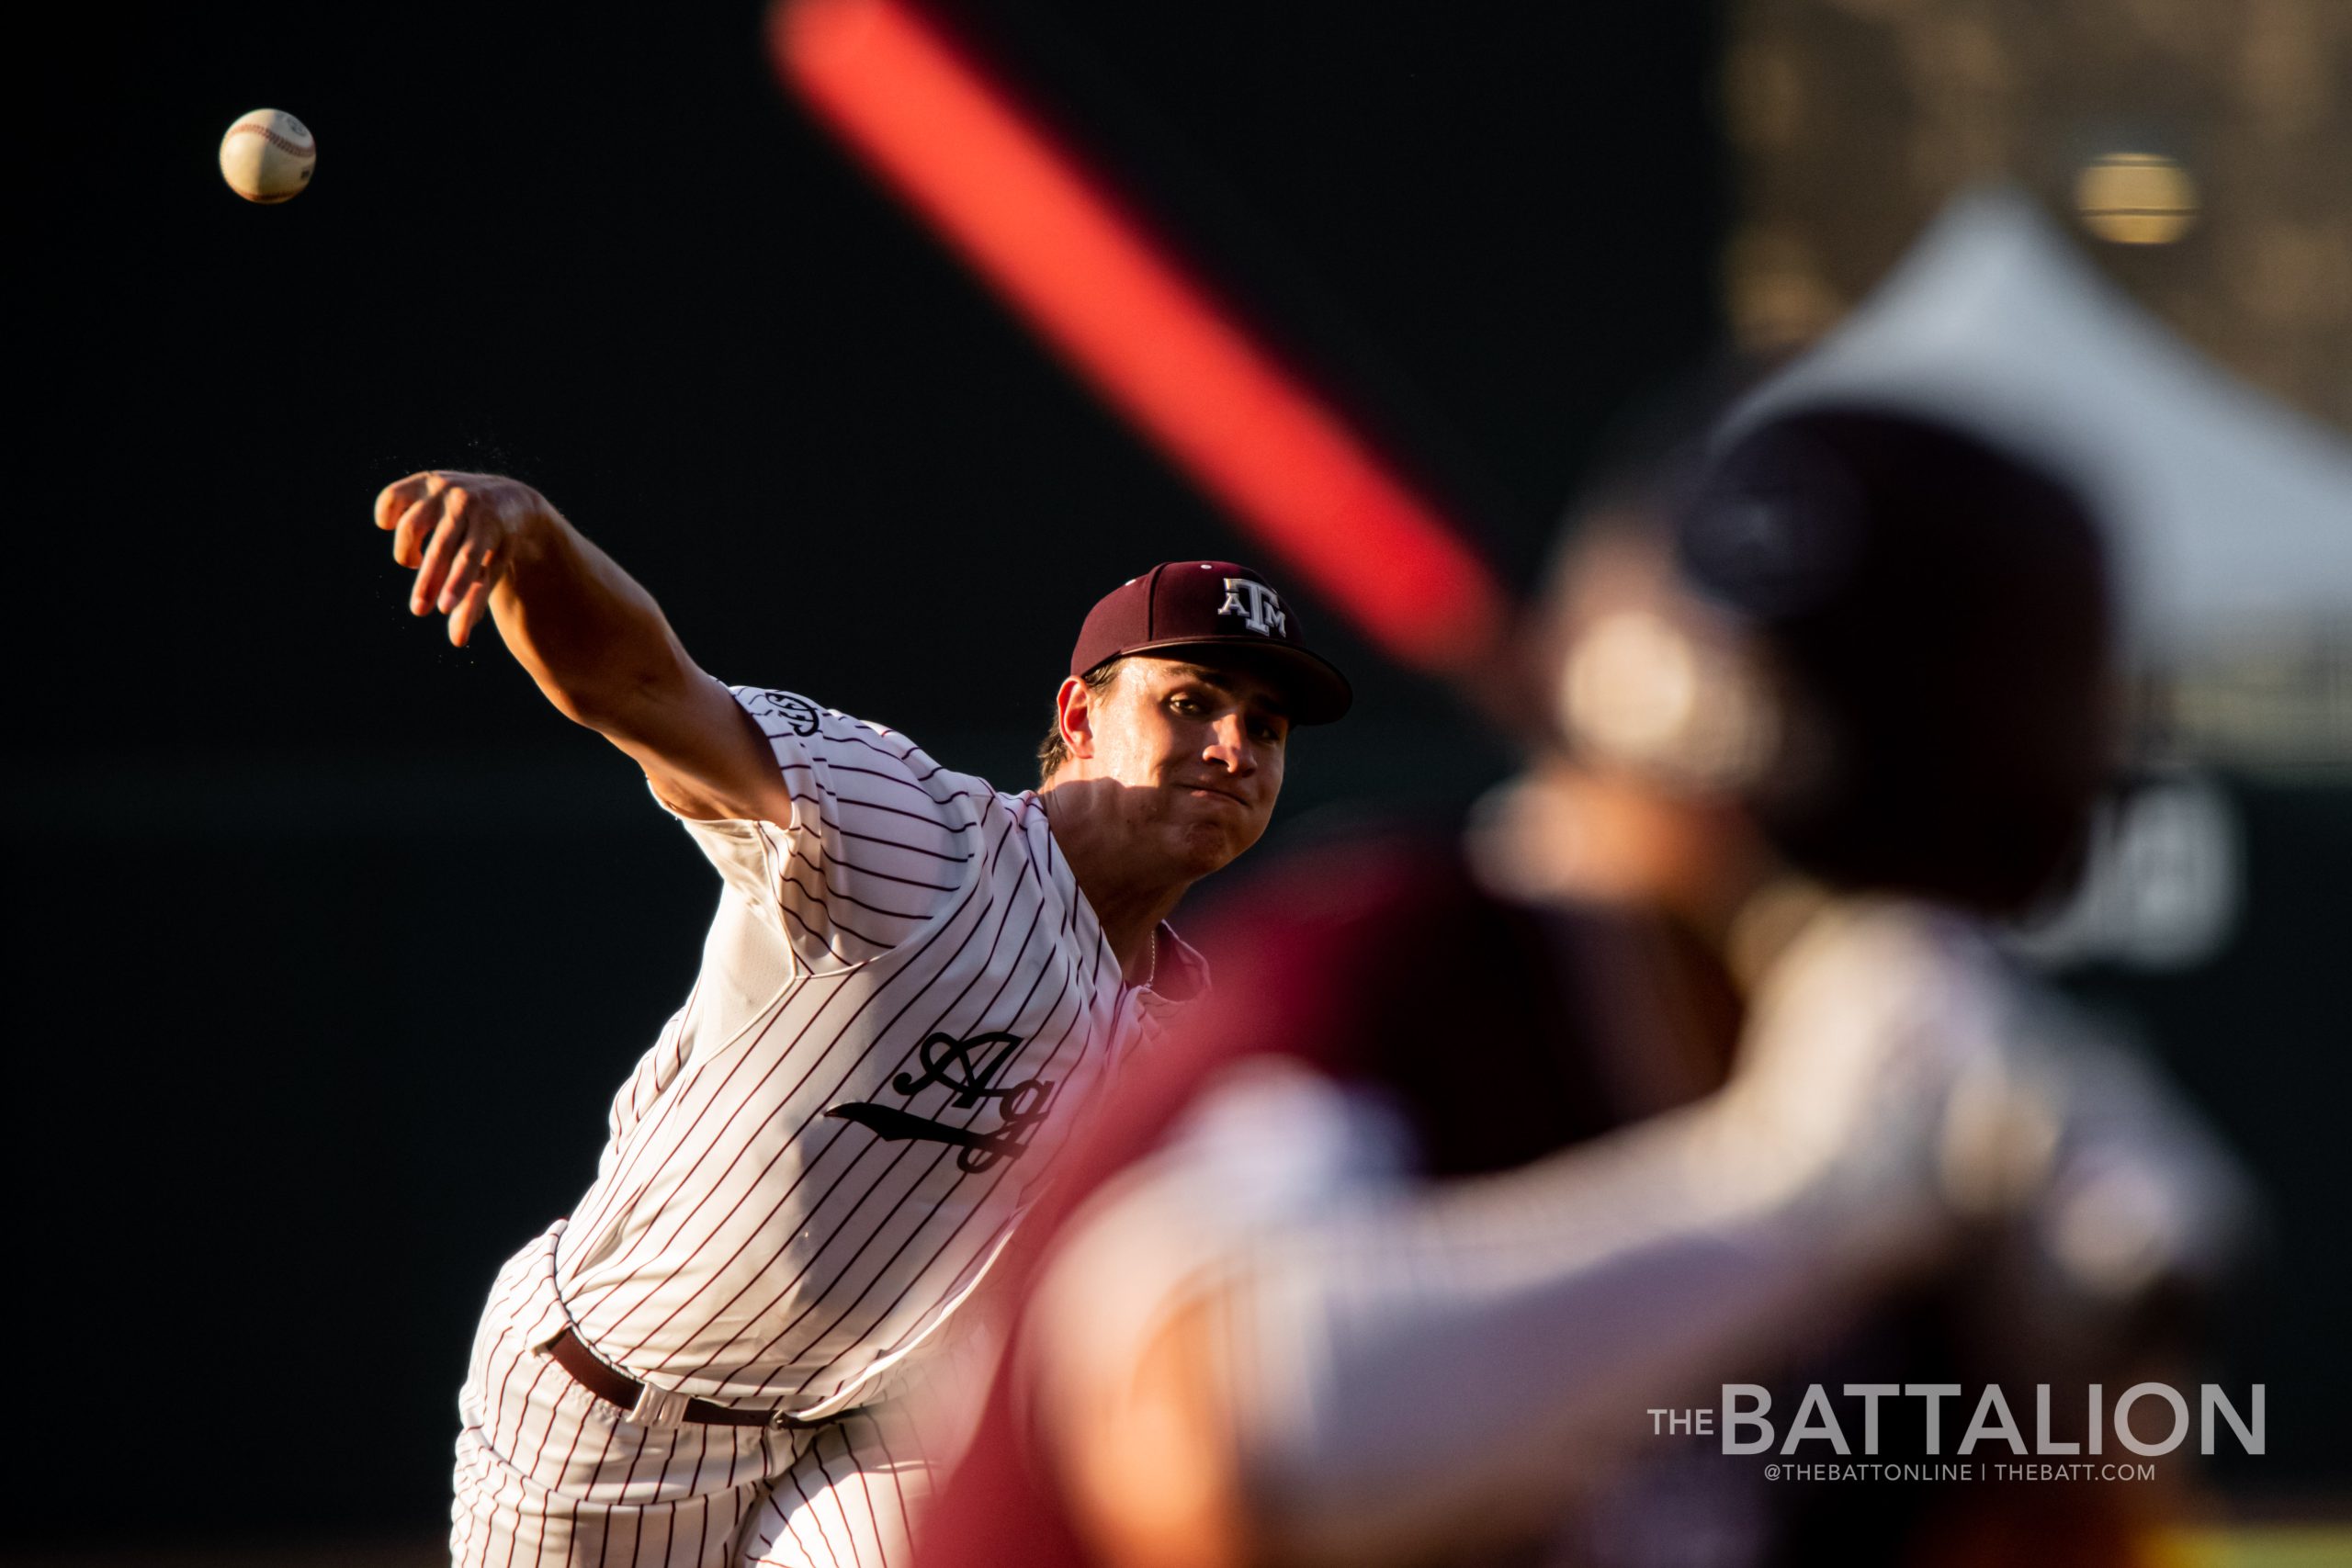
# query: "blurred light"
1631, 685
1153, 340
1637, 692
1778, 301
1765, 94
2136, 198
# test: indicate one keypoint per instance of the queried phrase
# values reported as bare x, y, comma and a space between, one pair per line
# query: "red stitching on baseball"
300, 149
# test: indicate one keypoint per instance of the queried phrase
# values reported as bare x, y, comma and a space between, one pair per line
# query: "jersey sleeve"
880, 840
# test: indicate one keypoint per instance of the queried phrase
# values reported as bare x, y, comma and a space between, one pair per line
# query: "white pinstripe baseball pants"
548, 1473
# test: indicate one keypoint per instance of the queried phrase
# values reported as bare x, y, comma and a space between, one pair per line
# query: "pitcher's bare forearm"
587, 632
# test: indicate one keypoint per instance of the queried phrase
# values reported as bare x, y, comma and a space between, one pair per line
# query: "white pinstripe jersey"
903, 1000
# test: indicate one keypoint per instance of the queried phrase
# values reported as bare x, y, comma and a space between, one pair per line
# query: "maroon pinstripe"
910, 952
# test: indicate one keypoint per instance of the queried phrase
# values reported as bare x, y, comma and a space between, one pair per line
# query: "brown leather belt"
616, 1387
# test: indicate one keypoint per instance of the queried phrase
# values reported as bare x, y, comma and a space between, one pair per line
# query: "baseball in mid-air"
268, 156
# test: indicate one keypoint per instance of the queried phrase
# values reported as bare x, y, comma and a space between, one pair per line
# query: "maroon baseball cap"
1225, 614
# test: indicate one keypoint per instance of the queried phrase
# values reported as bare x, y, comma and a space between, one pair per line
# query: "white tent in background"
2234, 512
2233, 530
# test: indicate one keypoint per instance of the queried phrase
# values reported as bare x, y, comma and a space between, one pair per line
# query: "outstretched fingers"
468, 565
455, 531
414, 527
395, 498
468, 612
433, 566
473, 571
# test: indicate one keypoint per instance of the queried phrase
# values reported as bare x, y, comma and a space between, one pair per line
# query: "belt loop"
657, 1407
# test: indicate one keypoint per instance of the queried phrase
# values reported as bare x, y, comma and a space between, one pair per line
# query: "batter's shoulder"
1343, 893
1385, 959
1314, 943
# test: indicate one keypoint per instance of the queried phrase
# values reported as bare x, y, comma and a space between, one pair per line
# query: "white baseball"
268, 156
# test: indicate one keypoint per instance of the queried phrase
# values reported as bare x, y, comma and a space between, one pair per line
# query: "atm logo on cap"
1259, 609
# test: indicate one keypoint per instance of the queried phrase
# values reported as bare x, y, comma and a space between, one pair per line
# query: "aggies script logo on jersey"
971, 1067
1259, 609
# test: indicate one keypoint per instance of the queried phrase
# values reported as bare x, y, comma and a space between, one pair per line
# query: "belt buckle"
657, 1407
782, 1420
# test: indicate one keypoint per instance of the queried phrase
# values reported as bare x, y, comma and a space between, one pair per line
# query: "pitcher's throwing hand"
457, 531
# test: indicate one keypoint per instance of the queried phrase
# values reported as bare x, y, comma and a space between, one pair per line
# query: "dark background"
332, 942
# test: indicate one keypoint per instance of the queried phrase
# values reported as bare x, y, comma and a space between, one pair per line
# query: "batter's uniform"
1388, 1028
903, 1000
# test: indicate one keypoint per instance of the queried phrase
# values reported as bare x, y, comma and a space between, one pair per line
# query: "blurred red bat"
1153, 340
